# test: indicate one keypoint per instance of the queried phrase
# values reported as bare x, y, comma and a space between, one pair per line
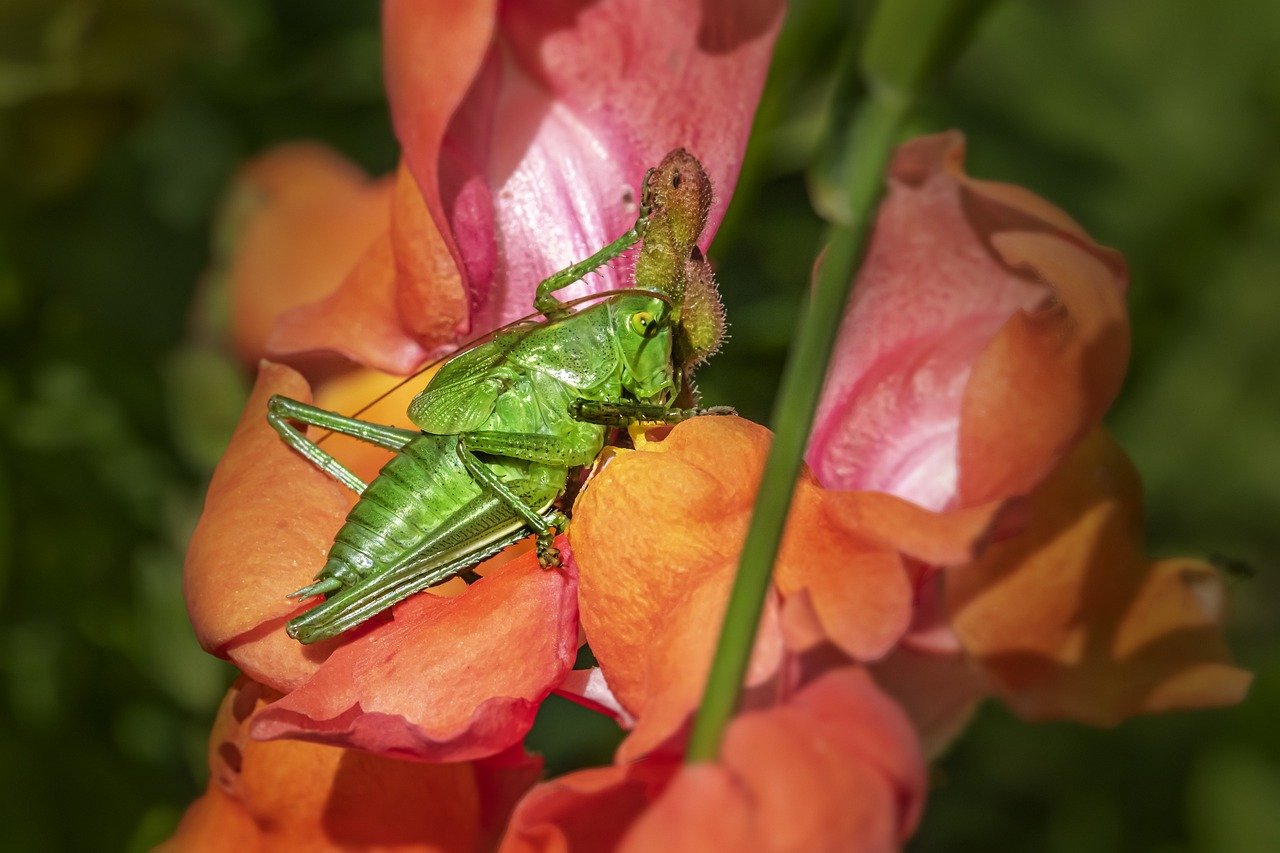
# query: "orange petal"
304, 216
268, 520
1070, 620
657, 534
937, 539
677, 665
358, 320
447, 679
428, 78
1050, 374
300, 796
430, 298
651, 527
859, 593
353, 392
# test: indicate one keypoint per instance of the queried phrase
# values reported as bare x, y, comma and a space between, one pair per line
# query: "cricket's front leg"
624, 414
552, 308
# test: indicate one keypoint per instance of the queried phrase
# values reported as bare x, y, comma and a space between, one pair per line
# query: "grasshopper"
502, 425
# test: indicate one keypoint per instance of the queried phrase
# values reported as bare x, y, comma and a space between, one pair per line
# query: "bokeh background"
121, 122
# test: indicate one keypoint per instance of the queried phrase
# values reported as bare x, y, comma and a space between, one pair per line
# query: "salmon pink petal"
299, 216
585, 810
835, 768
589, 689
300, 796
540, 163
446, 679
705, 807
268, 520
1070, 620
905, 393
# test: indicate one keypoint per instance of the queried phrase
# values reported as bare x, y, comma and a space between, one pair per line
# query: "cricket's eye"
642, 323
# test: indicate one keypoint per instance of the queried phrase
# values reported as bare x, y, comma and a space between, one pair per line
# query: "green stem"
877, 126
793, 417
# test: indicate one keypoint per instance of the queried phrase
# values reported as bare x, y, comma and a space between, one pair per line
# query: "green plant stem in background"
907, 42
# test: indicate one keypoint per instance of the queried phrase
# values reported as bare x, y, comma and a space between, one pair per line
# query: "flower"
834, 767
952, 541
965, 529
299, 796
476, 218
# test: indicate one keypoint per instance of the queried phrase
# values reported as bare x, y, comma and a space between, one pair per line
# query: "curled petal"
446, 679
301, 216
356, 321
372, 318
836, 767
300, 796
268, 520
969, 287
1049, 375
858, 594
586, 97
1070, 620
589, 689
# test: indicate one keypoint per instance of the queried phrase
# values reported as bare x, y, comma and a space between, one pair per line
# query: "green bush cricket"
503, 423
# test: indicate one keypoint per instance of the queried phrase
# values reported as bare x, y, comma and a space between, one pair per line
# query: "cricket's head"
642, 326
677, 193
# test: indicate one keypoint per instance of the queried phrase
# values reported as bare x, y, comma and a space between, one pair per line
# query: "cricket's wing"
463, 393
349, 607
478, 529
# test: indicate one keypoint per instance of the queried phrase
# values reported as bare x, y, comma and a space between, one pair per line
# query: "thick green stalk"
903, 44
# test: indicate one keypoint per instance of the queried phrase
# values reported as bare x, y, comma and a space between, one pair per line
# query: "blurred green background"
1156, 125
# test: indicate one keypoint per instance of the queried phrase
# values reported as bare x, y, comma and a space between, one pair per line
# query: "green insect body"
502, 425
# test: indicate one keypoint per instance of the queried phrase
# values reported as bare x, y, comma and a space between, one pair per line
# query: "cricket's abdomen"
423, 502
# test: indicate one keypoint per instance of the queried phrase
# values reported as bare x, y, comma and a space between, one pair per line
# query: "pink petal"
931, 298
541, 162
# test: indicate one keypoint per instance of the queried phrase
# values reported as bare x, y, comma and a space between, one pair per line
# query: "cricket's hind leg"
546, 526
351, 606
282, 410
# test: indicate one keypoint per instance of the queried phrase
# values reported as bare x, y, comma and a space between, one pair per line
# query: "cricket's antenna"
479, 339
